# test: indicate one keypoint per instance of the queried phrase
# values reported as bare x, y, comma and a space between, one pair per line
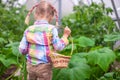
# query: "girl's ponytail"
27, 19
56, 14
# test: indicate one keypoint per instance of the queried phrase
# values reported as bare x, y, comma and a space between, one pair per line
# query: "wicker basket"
59, 61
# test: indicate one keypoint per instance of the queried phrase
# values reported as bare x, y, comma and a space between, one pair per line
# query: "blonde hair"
41, 9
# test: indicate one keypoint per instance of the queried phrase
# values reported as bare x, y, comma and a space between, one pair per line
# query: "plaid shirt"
35, 42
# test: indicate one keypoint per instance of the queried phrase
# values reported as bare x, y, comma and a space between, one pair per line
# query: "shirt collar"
37, 22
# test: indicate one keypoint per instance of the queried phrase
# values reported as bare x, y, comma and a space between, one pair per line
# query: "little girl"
37, 38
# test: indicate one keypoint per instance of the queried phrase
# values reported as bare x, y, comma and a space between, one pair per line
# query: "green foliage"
84, 65
93, 38
118, 56
80, 71
112, 37
7, 61
90, 21
102, 57
92, 31
107, 76
79, 44
85, 42
111, 76
11, 30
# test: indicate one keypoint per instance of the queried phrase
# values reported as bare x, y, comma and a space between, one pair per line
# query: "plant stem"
12, 74
24, 68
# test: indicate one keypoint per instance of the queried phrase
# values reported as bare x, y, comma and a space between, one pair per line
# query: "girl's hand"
67, 32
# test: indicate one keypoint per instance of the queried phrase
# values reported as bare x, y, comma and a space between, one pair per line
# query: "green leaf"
80, 72
2, 57
118, 56
16, 51
112, 37
102, 57
2, 40
109, 75
85, 42
7, 61
79, 58
12, 44
14, 47
10, 61
78, 69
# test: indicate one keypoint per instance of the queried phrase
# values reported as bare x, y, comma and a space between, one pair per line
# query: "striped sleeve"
23, 47
58, 43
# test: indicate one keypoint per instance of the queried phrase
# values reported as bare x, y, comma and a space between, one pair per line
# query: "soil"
115, 66
8, 72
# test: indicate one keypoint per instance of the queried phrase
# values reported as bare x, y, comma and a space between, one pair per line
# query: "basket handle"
72, 45
71, 48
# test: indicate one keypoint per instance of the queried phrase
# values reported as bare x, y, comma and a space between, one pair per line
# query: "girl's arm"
58, 43
23, 47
